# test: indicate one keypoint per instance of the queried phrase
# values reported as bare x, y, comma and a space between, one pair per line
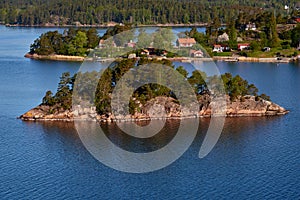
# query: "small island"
242, 98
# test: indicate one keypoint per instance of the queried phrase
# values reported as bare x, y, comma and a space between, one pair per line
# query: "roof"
101, 41
196, 52
186, 41
244, 44
217, 45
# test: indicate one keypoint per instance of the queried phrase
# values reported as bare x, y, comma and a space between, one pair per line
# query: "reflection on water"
252, 155
141, 145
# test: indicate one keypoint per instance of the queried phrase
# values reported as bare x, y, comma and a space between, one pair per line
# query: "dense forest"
74, 42
92, 12
235, 86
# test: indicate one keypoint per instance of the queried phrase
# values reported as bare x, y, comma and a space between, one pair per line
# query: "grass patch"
223, 54
273, 53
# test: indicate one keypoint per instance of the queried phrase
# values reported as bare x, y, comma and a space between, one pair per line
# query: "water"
254, 158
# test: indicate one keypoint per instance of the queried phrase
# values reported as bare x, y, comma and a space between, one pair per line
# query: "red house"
243, 46
185, 42
196, 53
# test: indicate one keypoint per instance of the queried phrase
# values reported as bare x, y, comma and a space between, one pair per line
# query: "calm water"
254, 158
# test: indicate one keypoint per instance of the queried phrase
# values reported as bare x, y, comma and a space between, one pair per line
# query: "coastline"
254, 59
106, 25
180, 59
248, 107
55, 57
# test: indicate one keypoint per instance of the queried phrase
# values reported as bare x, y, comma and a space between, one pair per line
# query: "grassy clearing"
273, 53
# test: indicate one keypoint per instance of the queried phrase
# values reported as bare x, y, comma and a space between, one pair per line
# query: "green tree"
48, 99
103, 92
80, 42
92, 37
144, 39
197, 81
295, 36
64, 91
255, 46
163, 38
232, 35
182, 71
263, 40
271, 31
42, 46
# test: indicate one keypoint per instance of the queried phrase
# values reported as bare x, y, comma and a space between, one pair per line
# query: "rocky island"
247, 108
150, 100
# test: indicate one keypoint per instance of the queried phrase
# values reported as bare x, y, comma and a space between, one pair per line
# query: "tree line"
91, 12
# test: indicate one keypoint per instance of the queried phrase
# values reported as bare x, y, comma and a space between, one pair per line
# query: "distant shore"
181, 59
106, 25
254, 59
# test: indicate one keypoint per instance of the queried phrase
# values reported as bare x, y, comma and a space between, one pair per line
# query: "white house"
221, 48
217, 48
250, 27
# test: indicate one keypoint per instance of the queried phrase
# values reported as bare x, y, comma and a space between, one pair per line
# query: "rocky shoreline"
55, 57
107, 25
254, 59
181, 59
247, 106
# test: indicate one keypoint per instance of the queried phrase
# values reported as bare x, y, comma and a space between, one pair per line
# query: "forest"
73, 42
95, 12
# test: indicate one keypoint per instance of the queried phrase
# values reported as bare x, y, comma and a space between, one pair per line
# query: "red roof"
186, 41
244, 44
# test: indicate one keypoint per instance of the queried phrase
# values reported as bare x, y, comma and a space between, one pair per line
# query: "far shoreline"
107, 25
180, 59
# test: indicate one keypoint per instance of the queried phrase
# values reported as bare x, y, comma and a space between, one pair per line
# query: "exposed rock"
43, 112
55, 57
162, 107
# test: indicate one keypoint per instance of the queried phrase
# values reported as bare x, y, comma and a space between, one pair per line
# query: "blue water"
255, 157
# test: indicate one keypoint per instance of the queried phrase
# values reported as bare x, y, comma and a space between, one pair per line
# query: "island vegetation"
73, 42
241, 95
